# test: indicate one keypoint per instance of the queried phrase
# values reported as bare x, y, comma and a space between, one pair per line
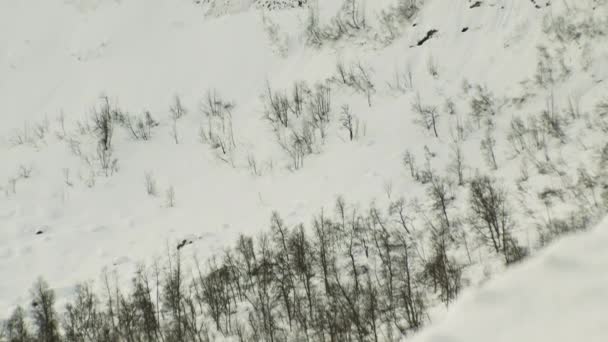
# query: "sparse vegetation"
170, 197
150, 184
352, 21
140, 128
353, 272
356, 76
350, 123
217, 131
299, 120
428, 116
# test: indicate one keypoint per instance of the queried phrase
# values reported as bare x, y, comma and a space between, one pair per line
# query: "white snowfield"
558, 296
61, 219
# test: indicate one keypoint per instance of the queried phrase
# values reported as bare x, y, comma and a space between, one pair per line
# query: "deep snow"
558, 296
62, 55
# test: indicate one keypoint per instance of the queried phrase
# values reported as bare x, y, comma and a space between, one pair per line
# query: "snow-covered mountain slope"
557, 296
59, 58
512, 89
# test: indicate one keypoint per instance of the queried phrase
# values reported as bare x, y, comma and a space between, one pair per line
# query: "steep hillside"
468, 133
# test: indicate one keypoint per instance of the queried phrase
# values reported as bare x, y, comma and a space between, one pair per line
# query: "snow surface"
558, 296
58, 56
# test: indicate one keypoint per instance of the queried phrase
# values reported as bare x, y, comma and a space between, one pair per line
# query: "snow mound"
558, 296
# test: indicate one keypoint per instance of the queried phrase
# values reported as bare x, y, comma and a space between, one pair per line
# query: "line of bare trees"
353, 275
352, 20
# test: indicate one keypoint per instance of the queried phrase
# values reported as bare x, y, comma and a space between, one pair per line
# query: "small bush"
218, 131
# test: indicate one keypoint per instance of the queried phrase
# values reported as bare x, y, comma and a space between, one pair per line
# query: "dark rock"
184, 243
429, 35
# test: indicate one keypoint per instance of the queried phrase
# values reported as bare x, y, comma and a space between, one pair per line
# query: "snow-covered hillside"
130, 127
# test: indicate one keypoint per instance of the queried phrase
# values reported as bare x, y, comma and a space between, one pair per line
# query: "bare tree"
219, 130
314, 33
482, 104
303, 260
147, 320
457, 164
491, 218
174, 295
277, 107
174, 132
103, 120
150, 184
356, 10
103, 127
16, 328
320, 108
349, 122
364, 82
43, 312
545, 73
140, 128
84, 320
177, 109
488, 146
428, 115
300, 94
410, 161
518, 135
444, 272
106, 160
356, 76
441, 196
170, 197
